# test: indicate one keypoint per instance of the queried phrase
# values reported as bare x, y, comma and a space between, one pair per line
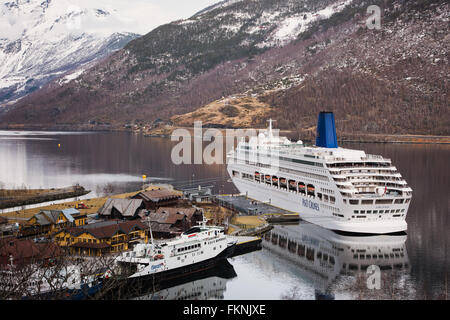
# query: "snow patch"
71, 77
291, 27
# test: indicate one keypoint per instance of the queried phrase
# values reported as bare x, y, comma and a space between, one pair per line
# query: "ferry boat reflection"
208, 285
321, 255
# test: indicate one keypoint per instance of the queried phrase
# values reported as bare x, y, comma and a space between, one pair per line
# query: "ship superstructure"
340, 189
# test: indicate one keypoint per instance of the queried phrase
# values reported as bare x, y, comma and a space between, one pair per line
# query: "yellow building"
47, 222
101, 238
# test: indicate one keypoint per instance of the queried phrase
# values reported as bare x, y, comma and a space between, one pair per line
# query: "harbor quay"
90, 234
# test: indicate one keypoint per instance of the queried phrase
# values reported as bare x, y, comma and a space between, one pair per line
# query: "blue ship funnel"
326, 131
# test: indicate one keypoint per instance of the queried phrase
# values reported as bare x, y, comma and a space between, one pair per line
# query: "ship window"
354, 201
353, 267
398, 201
383, 201
193, 230
366, 201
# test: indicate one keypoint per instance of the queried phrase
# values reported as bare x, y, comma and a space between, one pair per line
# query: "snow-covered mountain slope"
44, 39
298, 56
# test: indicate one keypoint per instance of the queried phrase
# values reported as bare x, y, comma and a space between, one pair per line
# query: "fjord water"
115, 162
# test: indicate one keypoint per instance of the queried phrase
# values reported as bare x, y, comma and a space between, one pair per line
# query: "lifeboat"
274, 179
267, 177
283, 181
301, 185
257, 174
311, 188
292, 183
158, 257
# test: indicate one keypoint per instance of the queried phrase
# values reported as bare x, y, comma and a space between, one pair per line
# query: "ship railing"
374, 157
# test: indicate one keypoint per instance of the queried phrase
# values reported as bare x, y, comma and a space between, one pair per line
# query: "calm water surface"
308, 263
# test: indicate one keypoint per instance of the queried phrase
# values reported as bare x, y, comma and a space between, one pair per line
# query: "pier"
246, 244
245, 206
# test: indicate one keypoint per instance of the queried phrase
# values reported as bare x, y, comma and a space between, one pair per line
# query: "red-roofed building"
21, 252
168, 222
154, 199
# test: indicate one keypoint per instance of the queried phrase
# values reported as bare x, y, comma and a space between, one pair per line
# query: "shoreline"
166, 133
17, 198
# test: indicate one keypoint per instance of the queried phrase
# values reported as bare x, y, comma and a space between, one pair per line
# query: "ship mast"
270, 121
151, 236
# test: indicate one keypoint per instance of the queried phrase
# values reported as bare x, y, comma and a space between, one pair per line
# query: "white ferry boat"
199, 248
337, 188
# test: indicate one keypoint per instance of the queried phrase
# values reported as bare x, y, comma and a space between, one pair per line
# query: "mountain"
298, 57
41, 40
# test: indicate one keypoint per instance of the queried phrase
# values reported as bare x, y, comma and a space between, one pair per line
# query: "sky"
152, 13
19, 17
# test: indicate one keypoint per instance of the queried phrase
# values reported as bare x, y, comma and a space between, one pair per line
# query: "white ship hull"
293, 202
340, 189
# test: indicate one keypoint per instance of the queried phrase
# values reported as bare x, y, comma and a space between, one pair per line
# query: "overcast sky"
148, 14
138, 16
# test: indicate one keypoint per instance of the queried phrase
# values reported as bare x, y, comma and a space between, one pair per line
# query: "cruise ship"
340, 189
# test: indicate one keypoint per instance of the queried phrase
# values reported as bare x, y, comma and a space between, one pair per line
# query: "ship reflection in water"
324, 264
333, 262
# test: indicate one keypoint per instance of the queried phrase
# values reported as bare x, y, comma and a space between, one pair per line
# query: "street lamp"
143, 181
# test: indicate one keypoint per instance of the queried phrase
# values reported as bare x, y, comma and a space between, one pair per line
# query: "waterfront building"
199, 194
121, 208
20, 252
168, 222
47, 222
102, 238
154, 199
